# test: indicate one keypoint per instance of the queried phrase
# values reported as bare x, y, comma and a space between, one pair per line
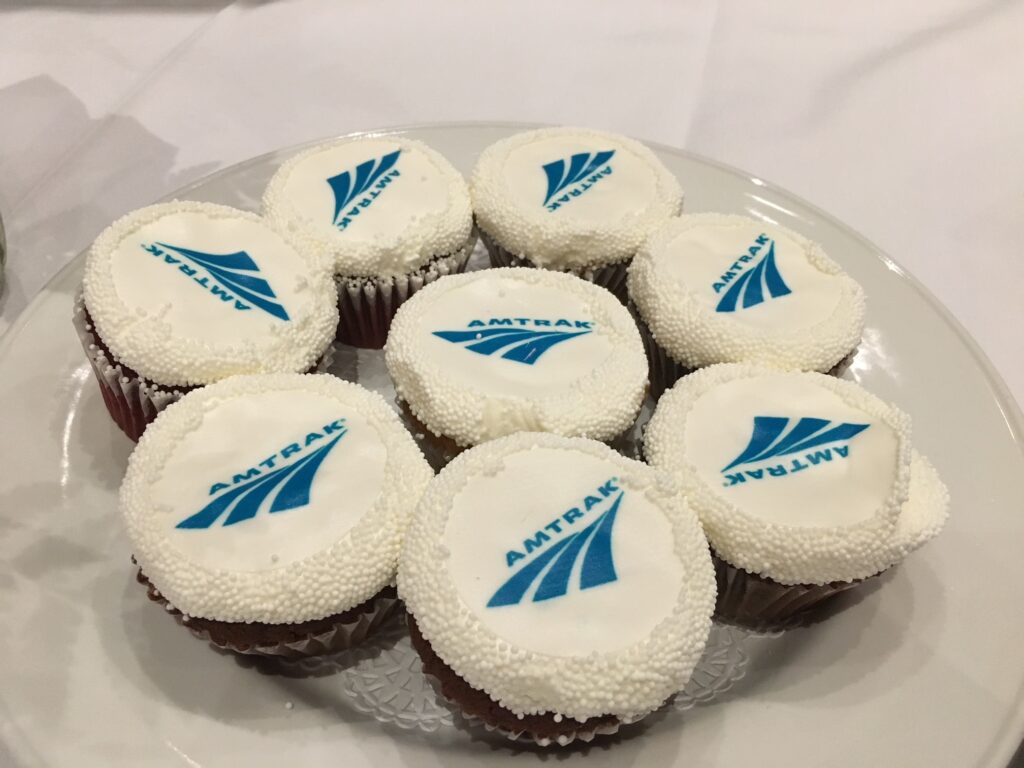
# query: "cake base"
610, 276
545, 729
132, 401
301, 639
758, 602
440, 450
367, 305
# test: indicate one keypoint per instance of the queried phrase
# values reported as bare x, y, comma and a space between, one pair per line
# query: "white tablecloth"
904, 119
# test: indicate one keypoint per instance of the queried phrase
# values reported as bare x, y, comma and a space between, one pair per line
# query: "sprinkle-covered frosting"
383, 206
923, 514
559, 576
187, 293
717, 288
279, 498
485, 354
572, 197
800, 477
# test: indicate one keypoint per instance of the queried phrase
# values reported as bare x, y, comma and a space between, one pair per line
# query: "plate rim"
1006, 744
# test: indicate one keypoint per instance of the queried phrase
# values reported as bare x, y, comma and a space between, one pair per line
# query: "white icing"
231, 441
590, 384
494, 513
686, 270
833, 520
719, 427
619, 647
600, 219
924, 514
506, 298
416, 209
176, 322
306, 561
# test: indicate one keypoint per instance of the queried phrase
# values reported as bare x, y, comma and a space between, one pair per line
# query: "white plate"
927, 669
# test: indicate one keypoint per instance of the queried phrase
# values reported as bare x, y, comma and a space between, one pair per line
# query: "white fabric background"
904, 119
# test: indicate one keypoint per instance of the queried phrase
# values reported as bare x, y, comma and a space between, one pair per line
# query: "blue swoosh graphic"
770, 439
580, 166
512, 591
751, 285
521, 345
294, 482
231, 270
593, 543
367, 174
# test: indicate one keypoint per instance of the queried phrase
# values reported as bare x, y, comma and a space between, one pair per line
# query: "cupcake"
392, 212
806, 485
266, 512
489, 353
710, 288
573, 200
555, 589
183, 294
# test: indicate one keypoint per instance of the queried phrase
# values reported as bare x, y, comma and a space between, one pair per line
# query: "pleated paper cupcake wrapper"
585, 735
368, 304
759, 603
610, 276
342, 636
133, 402
563, 740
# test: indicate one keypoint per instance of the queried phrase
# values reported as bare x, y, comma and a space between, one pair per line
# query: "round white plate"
923, 669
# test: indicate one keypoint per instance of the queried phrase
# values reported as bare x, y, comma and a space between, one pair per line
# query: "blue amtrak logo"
774, 437
355, 191
751, 286
553, 570
568, 180
289, 484
231, 277
521, 339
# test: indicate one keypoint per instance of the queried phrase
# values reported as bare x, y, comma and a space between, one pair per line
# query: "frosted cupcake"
806, 484
393, 213
266, 512
712, 288
571, 199
183, 294
488, 353
556, 590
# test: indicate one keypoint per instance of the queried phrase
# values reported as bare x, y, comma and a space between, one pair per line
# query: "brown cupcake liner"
477, 708
584, 735
440, 450
132, 401
367, 305
758, 602
664, 371
610, 276
839, 368
319, 637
